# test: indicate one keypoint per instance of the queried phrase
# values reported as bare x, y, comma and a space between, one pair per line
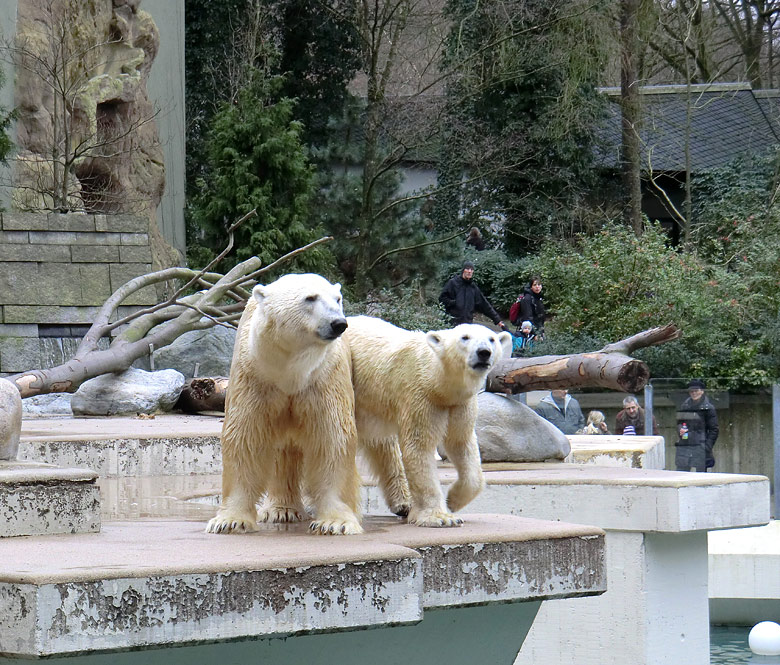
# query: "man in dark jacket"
461, 297
562, 410
631, 420
697, 425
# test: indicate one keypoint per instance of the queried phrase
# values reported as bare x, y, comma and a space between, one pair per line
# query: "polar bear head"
305, 308
470, 347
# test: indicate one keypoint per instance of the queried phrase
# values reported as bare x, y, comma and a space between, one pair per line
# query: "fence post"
648, 409
776, 437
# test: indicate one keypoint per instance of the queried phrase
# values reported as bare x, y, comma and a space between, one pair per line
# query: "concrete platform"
166, 583
126, 446
744, 575
37, 499
635, 452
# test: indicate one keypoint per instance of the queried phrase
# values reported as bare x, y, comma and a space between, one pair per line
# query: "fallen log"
612, 367
203, 394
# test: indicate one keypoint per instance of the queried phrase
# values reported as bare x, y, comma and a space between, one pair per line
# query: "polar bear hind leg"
384, 458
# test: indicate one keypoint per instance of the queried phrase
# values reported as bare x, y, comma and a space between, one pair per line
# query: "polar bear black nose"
483, 354
338, 326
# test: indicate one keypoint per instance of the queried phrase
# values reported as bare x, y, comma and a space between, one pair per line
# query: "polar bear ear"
505, 339
258, 293
338, 285
434, 340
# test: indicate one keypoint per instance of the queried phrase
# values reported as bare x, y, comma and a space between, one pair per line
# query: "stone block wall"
56, 271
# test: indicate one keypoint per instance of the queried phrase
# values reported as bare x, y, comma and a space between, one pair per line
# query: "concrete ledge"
744, 585
38, 499
635, 452
624, 499
145, 584
165, 445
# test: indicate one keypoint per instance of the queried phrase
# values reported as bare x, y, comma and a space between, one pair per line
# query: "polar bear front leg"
428, 508
237, 513
283, 501
333, 483
463, 451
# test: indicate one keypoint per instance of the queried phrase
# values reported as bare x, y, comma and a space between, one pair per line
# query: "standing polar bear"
289, 413
419, 390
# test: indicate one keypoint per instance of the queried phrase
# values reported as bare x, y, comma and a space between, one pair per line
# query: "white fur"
289, 415
419, 390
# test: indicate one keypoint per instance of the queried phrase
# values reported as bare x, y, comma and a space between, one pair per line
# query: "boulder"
132, 391
10, 420
510, 431
210, 350
46, 406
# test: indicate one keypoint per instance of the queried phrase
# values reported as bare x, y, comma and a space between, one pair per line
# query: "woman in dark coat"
532, 306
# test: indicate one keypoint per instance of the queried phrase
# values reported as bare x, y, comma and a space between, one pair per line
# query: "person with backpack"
529, 306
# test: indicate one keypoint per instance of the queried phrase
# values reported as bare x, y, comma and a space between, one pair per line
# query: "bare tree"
83, 108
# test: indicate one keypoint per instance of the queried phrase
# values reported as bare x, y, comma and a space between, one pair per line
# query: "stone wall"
56, 270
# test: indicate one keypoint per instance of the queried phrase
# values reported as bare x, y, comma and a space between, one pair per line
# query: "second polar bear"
420, 390
289, 414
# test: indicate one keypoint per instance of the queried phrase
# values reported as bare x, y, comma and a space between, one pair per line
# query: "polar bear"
289, 413
420, 390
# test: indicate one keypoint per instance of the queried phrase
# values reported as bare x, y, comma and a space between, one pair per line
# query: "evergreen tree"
255, 159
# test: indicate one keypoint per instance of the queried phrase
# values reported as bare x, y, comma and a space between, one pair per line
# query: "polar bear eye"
465, 338
492, 340
311, 298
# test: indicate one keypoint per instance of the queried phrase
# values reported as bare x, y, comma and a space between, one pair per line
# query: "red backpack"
514, 312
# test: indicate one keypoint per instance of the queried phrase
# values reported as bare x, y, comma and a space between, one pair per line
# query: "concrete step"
39, 499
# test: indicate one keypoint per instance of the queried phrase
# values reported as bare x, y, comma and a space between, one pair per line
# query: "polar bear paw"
229, 523
434, 518
347, 526
277, 514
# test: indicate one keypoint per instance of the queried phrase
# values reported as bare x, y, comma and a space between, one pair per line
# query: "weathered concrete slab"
163, 445
744, 574
635, 452
38, 499
143, 584
625, 499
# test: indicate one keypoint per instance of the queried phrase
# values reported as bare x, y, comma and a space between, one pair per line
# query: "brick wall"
56, 271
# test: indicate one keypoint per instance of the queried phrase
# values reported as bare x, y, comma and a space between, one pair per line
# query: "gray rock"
509, 431
46, 406
211, 350
132, 391
10, 420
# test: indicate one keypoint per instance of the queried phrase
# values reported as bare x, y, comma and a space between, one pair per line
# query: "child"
523, 338
596, 424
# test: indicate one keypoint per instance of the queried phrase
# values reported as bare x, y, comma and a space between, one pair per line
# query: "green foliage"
256, 160
407, 306
613, 285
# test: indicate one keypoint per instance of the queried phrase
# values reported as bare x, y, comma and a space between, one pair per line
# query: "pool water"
729, 646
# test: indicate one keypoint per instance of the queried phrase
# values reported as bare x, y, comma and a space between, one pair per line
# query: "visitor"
461, 297
562, 410
596, 424
523, 339
532, 306
631, 420
697, 426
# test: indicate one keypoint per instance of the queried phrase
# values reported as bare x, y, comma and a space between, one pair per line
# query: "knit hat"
468, 264
696, 383
526, 324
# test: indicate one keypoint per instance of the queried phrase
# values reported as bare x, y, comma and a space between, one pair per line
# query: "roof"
726, 121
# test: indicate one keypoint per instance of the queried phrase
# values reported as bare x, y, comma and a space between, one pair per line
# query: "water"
729, 646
